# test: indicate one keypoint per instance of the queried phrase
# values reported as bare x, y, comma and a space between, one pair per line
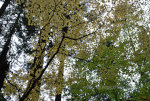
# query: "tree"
55, 31
11, 26
142, 59
102, 77
63, 29
4, 65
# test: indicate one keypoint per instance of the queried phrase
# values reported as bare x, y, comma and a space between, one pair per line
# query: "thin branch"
92, 32
82, 36
78, 58
14, 86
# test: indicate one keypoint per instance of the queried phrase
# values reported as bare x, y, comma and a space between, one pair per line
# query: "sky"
1, 3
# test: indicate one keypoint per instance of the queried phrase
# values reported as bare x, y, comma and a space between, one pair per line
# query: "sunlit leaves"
115, 64
104, 33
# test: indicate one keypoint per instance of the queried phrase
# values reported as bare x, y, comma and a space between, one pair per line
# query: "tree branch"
18, 89
75, 39
42, 72
81, 36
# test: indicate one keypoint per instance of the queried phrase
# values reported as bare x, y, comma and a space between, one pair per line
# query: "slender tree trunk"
35, 72
116, 96
4, 6
4, 65
35, 93
59, 84
58, 97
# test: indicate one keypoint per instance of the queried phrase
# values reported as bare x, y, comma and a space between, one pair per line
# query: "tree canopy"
78, 50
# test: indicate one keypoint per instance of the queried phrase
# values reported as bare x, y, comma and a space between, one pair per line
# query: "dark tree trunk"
2, 97
4, 65
58, 97
4, 6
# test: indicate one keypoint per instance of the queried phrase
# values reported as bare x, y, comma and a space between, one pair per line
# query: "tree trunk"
58, 97
4, 65
2, 97
34, 74
59, 82
35, 93
4, 6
